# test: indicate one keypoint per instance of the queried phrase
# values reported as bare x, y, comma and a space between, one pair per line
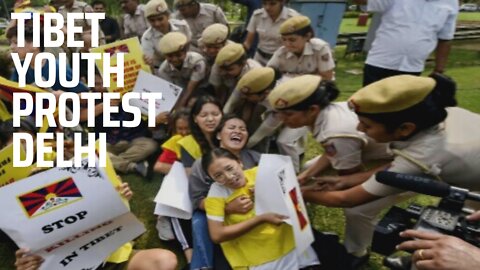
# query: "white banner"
277, 191
173, 199
72, 217
148, 83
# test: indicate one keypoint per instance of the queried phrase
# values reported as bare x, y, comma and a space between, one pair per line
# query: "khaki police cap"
294, 24
214, 34
229, 54
182, 2
392, 94
293, 91
256, 80
155, 7
172, 42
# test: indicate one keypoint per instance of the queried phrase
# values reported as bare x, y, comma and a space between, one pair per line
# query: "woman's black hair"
28, 34
196, 132
325, 93
210, 156
428, 113
221, 125
182, 113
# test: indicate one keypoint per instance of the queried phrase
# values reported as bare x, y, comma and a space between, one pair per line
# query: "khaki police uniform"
193, 69
315, 58
269, 38
151, 37
449, 151
207, 15
255, 81
217, 80
136, 24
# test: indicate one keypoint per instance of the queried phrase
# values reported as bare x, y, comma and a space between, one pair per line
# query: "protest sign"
148, 83
277, 190
8, 172
133, 62
72, 217
173, 199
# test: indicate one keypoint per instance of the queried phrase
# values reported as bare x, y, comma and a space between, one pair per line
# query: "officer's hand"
25, 261
325, 183
273, 218
474, 217
241, 205
440, 252
148, 60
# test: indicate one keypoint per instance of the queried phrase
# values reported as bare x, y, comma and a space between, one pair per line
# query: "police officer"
266, 23
182, 67
134, 22
409, 113
254, 87
306, 102
230, 65
212, 40
158, 15
198, 16
301, 53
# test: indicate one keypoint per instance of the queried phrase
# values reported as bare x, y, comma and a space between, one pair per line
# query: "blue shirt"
30, 78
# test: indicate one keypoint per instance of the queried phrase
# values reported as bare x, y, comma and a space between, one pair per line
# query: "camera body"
430, 218
445, 218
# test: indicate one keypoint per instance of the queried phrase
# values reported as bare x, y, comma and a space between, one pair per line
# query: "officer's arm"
345, 198
441, 55
248, 40
187, 94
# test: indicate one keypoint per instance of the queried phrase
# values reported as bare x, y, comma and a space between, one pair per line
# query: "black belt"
264, 54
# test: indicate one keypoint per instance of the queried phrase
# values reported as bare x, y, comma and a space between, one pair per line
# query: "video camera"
446, 218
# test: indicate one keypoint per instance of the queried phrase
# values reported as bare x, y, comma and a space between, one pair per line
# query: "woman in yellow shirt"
241, 235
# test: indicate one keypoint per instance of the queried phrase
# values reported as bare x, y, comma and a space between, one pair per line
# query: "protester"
240, 235
109, 25
231, 134
171, 148
204, 118
148, 259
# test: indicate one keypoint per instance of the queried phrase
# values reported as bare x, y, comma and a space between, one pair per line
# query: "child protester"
171, 149
301, 53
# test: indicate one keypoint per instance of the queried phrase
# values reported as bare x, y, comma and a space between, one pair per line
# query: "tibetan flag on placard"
49, 198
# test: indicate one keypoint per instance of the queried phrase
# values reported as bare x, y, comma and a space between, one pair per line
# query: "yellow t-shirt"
172, 144
264, 243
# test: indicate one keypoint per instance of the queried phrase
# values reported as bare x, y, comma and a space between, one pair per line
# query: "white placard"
148, 83
173, 199
72, 217
277, 190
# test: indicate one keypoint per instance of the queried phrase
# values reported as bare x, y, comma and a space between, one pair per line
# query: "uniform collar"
429, 134
283, 14
307, 50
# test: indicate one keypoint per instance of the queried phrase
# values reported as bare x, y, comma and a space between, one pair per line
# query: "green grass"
463, 67
469, 16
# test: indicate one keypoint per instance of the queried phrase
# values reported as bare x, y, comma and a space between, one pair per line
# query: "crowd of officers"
236, 105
